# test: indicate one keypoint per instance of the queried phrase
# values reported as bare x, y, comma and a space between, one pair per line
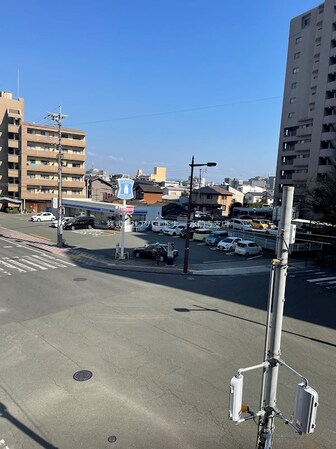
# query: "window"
296, 70
305, 22
292, 100
294, 85
297, 55
298, 40
291, 114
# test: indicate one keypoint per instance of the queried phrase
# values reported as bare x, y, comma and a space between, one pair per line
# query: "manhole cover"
112, 439
80, 279
82, 375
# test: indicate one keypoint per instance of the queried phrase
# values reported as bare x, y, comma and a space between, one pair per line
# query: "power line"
176, 111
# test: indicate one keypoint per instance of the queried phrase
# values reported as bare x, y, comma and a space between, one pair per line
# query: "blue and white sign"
125, 191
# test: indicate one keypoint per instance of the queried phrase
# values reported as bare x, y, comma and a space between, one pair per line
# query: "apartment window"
45, 162
296, 70
294, 85
76, 165
14, 121
297, 55
305, 22
298, 40
291, 114
292, 100
13, 136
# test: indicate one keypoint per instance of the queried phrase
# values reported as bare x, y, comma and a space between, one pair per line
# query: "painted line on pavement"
40, 236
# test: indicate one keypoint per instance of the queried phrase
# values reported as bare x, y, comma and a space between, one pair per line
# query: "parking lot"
104, 241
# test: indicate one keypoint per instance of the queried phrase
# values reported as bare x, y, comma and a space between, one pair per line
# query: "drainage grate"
82, 375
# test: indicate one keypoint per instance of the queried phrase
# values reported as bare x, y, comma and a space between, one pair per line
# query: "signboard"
126, 210
125, 191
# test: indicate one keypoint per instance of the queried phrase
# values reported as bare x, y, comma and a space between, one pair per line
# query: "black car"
80, 223
152, 251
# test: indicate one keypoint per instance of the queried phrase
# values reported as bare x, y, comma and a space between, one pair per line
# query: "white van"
239, 224
159, 225
201, 234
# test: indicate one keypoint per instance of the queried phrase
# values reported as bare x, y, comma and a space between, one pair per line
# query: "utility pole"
58, 119
270, 382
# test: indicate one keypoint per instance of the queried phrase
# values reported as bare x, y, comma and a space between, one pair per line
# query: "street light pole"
187, 237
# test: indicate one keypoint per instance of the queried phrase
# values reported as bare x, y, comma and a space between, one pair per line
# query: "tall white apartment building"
307, 144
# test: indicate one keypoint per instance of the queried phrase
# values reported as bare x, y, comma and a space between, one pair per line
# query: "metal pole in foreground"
122, 247
187, 237
266, 425
58, 119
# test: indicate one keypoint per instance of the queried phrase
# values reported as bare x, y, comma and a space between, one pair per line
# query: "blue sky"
153, 82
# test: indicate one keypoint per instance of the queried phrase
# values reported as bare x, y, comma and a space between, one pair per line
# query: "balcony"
326, 169
73, 184
73, 171
328, 136
73, 143
13, 143
13, 187
43, 168
74, 157
332, 85
38, 196
38, 138
40, 154
304, 131
13, 128
42, 182
331, 102
13, 158
301, 162
305, 146
300, 176
329, 119
332, 68
13, 173
328, 152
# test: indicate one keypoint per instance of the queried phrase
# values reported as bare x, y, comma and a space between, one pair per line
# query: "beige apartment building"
307, 144
28, 158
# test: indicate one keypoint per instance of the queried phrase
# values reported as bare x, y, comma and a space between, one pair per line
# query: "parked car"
260, 223
183, 233
201, 234
43, 216
150, 251
54, 224
80, 223
174, 230
239, 224
228, 244
247, 248
215, 237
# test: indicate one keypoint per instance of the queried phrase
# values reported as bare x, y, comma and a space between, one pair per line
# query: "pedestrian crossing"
30, 263
325, 278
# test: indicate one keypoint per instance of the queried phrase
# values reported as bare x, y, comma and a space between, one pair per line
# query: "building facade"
307, 143
29, 158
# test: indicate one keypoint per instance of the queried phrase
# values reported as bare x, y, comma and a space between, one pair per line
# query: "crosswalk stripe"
322, 279
43, 262
34, 264
8, 265
46, 263
59, 260
19, 264
2, 271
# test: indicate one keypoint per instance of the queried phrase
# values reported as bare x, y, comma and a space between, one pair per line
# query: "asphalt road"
162, 350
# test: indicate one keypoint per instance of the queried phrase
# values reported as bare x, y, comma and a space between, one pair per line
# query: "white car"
174, 230
43, 216
248, 248
228, 244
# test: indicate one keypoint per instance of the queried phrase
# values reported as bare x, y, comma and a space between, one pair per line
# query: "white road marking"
322, 279
34, 264
8, 265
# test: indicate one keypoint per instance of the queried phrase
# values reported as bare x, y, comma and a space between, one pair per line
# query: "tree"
321, 199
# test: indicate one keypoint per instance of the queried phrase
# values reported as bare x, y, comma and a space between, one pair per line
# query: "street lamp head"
211, 164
